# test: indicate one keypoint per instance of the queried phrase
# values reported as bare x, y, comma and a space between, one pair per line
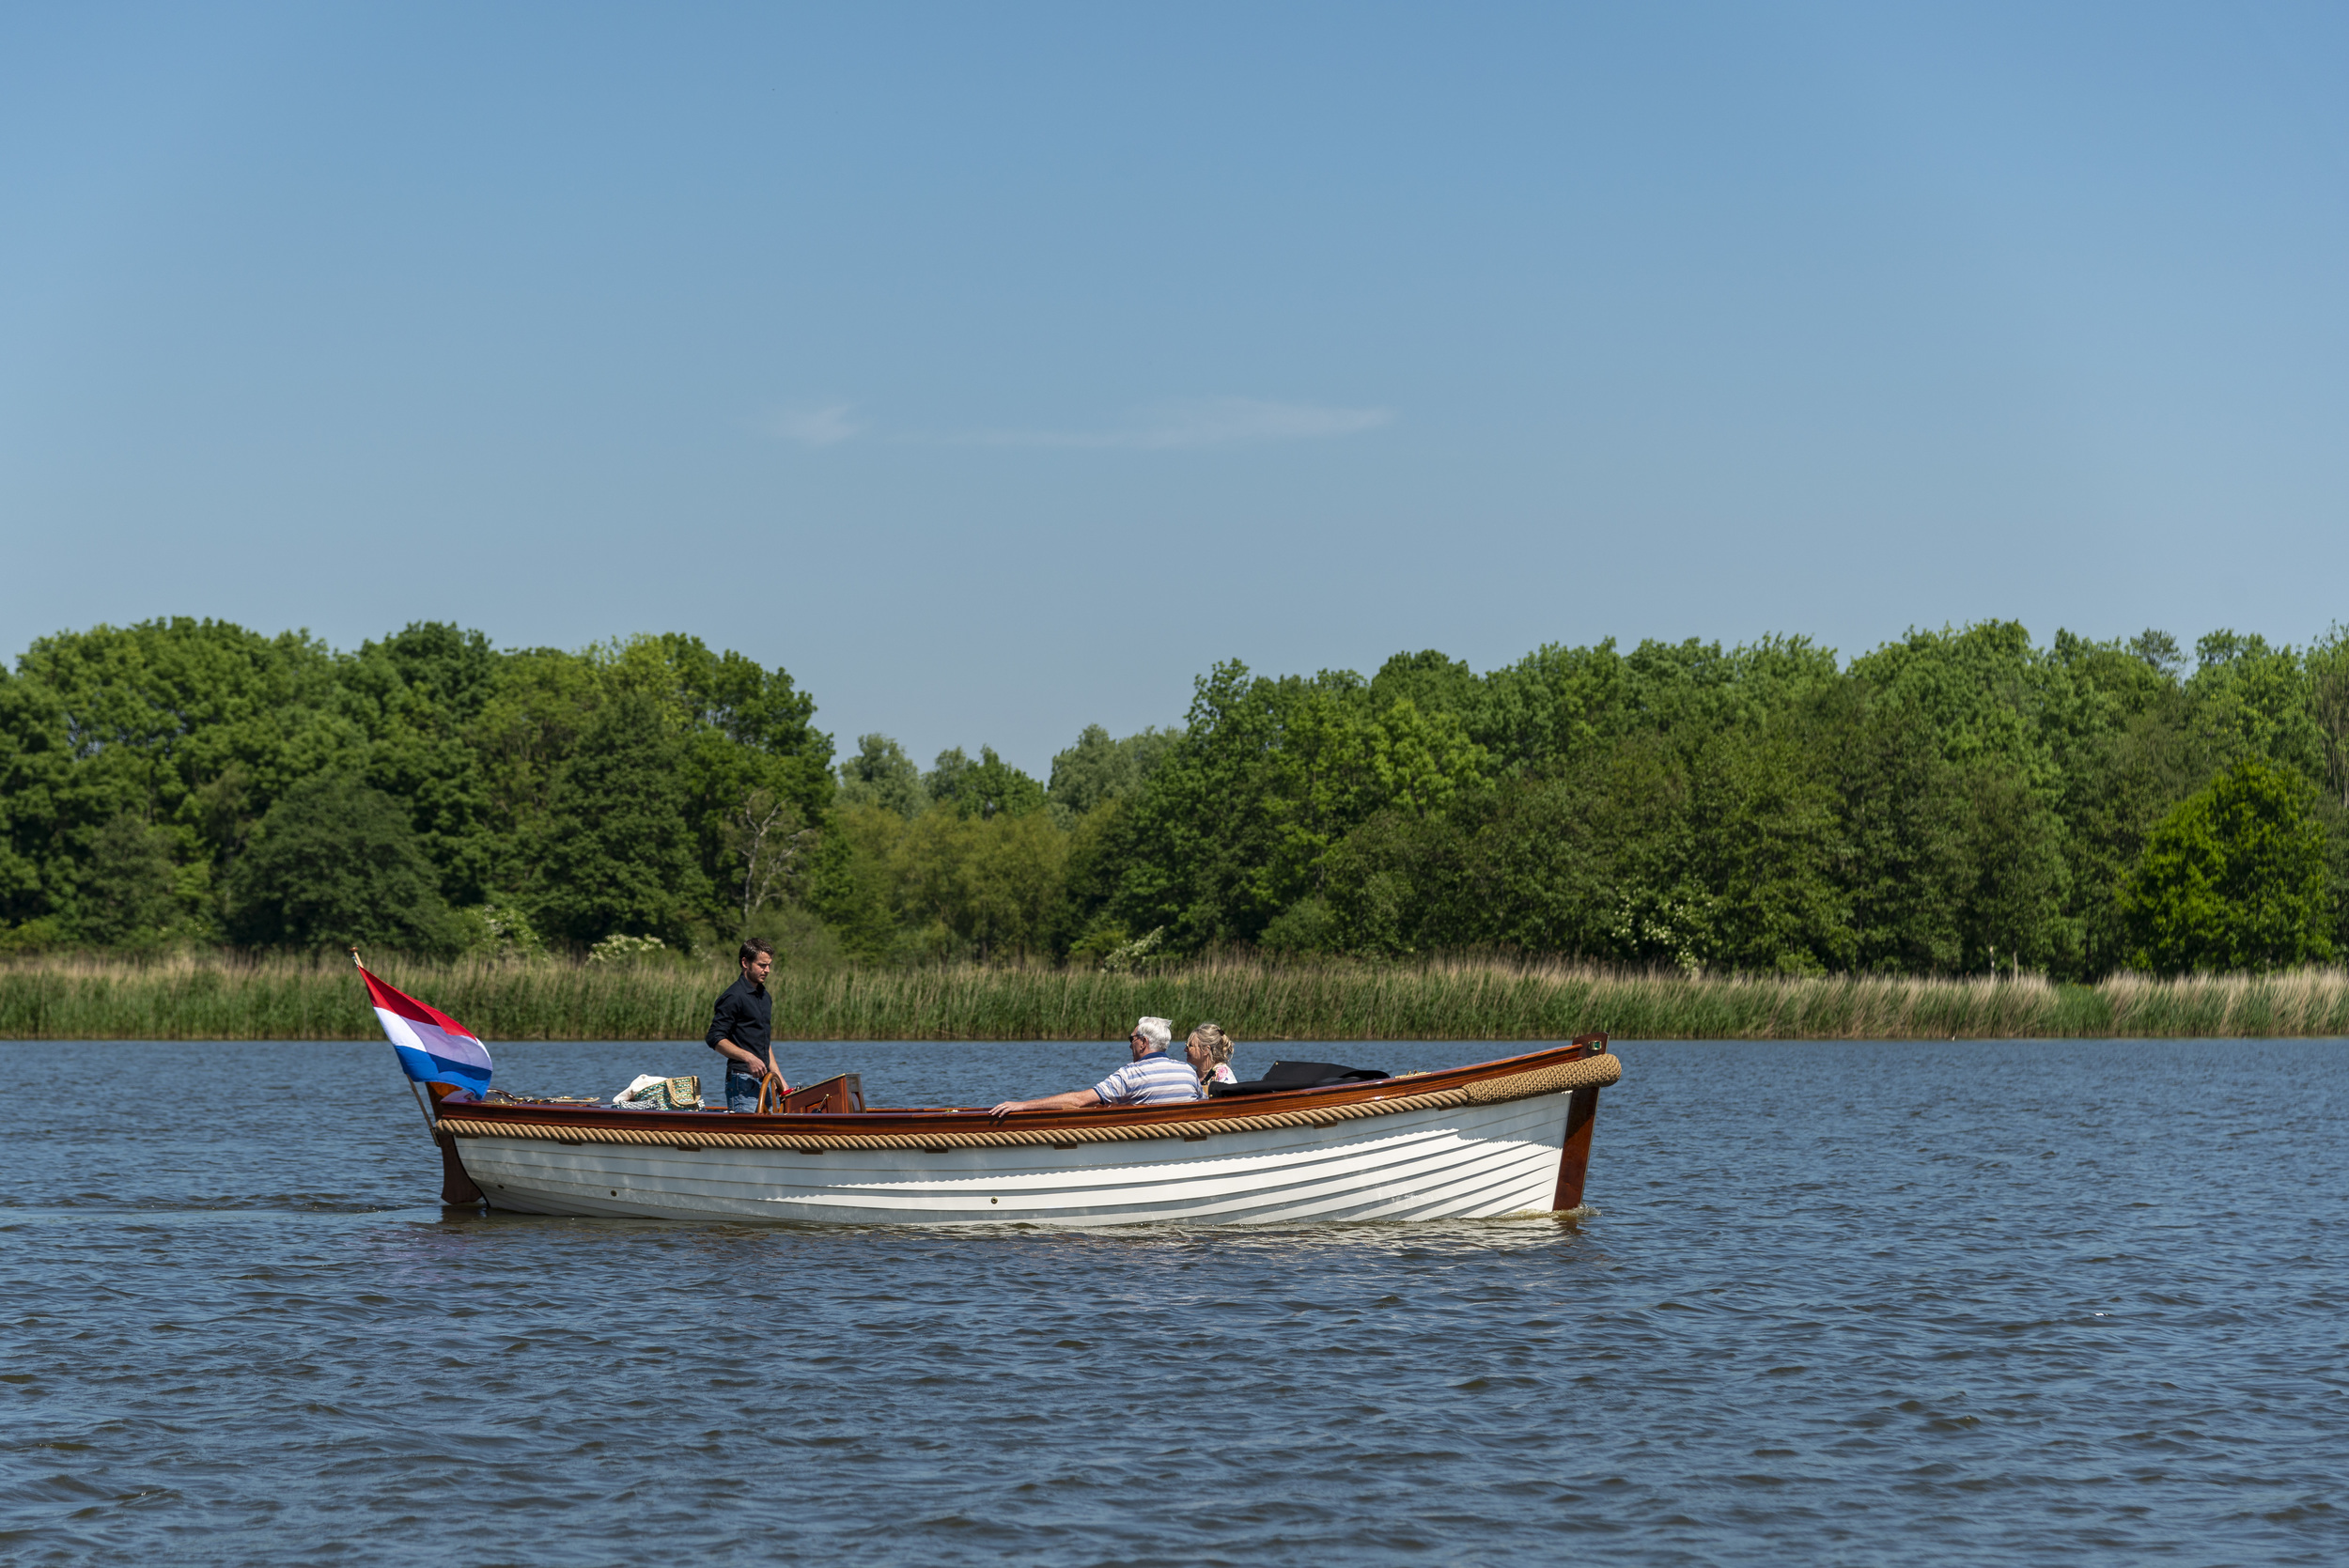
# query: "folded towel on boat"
660, 1093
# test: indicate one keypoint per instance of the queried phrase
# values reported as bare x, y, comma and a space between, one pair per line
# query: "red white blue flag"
432, 1046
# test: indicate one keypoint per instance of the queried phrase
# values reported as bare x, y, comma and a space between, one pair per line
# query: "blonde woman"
1210, 1053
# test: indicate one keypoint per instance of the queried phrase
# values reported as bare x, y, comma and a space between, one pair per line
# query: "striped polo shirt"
1156, 1079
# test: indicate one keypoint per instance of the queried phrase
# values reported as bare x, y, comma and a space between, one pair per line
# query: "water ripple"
1850, 1303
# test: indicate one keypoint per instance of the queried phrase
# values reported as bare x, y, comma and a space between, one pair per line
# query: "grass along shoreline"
203, 997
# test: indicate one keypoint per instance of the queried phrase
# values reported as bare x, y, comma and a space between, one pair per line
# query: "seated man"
1152, 1077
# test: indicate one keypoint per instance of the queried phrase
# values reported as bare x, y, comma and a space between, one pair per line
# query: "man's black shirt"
746, 1015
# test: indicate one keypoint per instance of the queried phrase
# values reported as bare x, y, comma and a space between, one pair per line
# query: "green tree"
852, 886
1097, 770
2329, 708
969, 886
2125, 750
772, 848
615, 858
131, 893
335, 861
1550, 706
741, 731
986, 788
529, 727
2159, 651
1984, 689
195, 728
1011, 881
2234, 879
36, 801
1590, 860
880, 774
2011, 901
1230, 828
2253, 700
1763, 836
1901, 854
418, 693
1691, 690
1430, 681
1417, 761
1085, 928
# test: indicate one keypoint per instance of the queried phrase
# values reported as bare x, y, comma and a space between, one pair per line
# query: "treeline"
186, 782
1945, 803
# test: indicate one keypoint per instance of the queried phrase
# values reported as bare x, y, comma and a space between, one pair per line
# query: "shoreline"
206, 996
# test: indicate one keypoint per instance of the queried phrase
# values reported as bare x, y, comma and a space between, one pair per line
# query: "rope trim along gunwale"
1590, 1072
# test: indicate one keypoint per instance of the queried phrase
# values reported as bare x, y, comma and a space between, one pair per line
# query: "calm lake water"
1852, 1303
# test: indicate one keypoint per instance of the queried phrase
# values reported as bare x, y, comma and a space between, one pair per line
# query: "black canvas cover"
1299, 1075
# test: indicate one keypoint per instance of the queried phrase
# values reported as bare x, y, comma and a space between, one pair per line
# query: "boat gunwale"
886, 1120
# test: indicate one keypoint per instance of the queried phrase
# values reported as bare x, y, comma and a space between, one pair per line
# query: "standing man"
1149, 1079
743, 1028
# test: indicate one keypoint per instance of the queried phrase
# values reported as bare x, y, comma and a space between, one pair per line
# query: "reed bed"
204, 997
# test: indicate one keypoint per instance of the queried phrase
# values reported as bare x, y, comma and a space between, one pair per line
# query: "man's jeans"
741, 1089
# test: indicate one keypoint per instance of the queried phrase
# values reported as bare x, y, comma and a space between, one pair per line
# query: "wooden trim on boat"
1574, 1156
457, 1187
886, 1121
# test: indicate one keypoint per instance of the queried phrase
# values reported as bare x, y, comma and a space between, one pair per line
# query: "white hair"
1158, 1032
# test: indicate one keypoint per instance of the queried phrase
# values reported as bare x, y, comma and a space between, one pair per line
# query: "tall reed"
204, 997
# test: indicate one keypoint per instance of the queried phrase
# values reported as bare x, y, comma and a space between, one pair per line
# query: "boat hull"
1471, 1161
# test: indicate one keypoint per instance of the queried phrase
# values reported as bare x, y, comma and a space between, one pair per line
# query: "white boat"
1499, 1137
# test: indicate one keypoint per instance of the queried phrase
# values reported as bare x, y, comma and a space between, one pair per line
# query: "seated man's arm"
1076, 1099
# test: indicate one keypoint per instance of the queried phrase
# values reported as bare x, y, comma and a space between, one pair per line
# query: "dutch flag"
432, 1046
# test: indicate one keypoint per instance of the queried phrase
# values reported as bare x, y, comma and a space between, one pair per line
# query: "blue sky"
997, 370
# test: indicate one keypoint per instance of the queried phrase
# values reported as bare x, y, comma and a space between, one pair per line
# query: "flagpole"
429, 1124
